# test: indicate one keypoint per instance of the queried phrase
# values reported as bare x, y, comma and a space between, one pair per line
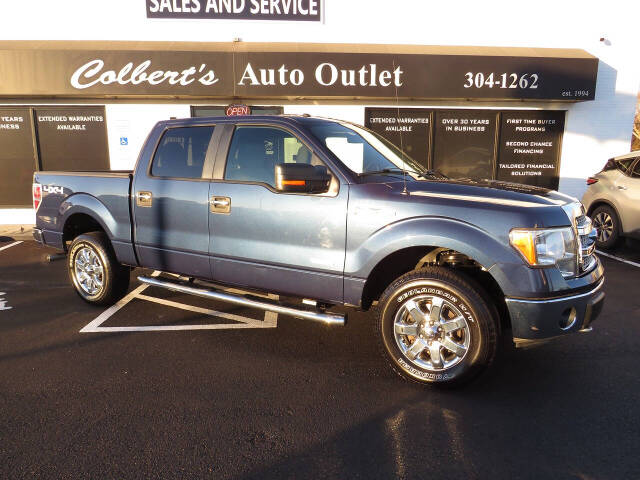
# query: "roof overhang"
293, 71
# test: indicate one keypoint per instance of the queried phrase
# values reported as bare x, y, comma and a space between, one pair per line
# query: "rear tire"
607, 225
436, 327
94, 271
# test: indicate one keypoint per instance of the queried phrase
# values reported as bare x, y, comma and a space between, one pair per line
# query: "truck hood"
483, 191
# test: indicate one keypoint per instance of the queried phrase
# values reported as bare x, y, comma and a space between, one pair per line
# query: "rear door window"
182, 152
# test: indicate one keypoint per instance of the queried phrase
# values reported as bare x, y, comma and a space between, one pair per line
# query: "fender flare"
94, 208
490, 252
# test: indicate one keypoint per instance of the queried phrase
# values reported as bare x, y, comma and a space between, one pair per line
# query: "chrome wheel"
89, 271
604, 226
431, 332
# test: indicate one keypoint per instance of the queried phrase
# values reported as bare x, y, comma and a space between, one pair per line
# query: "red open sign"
234, 110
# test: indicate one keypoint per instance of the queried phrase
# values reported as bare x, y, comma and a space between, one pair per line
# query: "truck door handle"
220, 204
144, 199
621, 187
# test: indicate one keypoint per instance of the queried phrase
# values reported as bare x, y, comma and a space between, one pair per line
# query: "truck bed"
90, 173
107, 192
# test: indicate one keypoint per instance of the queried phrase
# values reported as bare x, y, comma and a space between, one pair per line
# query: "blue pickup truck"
326, 213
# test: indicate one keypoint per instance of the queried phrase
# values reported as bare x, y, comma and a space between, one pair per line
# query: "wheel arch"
78, 224
603, 202
82, 213
407, 259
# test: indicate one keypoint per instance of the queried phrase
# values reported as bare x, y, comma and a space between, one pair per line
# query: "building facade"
540, 95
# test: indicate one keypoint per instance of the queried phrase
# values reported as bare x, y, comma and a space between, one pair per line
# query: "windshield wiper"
433, 173
387, 170
424, 174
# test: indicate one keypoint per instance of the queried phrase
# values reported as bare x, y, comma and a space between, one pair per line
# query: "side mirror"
302, 178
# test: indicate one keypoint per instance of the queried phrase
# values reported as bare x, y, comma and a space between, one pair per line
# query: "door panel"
284, 243
172, 234
171, 204
280, 242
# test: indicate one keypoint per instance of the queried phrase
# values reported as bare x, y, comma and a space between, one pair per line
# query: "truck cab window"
255, 152
181, 152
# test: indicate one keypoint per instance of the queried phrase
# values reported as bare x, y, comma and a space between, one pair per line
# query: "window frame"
207, 166
221, 163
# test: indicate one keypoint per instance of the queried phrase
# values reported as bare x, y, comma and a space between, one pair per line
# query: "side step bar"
269, 306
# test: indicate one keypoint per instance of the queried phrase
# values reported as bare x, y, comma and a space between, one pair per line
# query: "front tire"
436, 327
94, 271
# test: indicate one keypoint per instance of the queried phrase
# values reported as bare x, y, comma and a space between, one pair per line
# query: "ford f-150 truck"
327, 213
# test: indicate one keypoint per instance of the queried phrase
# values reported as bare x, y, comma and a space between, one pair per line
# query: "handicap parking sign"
124, 141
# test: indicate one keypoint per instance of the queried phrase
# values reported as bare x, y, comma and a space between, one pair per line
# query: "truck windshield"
364, 151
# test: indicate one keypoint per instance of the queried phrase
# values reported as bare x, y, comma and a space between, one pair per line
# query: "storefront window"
408, 128
519, 146
72, 138
64, 138
17, 157
529, 150
464, 143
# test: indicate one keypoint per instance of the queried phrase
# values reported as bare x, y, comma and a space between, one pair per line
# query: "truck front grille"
586, 243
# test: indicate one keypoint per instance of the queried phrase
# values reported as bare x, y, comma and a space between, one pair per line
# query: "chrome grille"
587, 242
585, 236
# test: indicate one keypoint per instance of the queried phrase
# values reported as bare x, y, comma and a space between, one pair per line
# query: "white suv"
612, 199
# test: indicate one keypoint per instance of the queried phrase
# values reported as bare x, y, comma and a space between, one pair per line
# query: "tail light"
591, 180
37, 195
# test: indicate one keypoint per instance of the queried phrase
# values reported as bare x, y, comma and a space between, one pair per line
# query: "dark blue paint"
321, 247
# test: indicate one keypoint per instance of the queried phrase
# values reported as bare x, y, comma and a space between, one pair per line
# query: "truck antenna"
404, 170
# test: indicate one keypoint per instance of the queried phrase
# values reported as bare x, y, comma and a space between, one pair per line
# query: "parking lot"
169, 385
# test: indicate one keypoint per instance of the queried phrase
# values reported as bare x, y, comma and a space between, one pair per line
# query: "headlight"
554, 246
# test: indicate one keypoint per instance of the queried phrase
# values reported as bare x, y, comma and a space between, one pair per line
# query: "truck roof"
283, 119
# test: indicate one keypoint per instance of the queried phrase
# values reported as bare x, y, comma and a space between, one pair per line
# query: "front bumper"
545, 318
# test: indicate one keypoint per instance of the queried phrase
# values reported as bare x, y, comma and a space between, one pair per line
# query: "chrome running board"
269, 306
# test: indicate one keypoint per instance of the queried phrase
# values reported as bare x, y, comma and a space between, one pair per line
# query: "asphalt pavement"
168, 386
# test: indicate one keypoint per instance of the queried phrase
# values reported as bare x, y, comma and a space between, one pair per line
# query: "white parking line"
205, 311
4, 304
628, 262
10, 245
95, 326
